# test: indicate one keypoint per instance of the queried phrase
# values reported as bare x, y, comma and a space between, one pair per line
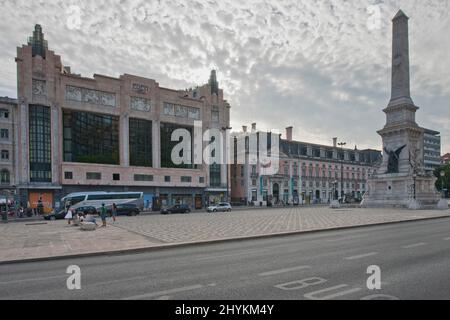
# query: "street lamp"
442, 183
342, 144
226, 159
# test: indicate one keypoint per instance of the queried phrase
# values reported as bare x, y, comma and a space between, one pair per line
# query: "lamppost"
226, 158
342, 144
442, 183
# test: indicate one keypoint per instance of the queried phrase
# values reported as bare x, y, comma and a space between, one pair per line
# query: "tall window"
167, 146
91, 138
4, 177
214, 175
4, 113
4, 133
40, 144
5, 155
140, 143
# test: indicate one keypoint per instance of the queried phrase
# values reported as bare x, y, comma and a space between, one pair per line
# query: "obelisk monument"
400, 180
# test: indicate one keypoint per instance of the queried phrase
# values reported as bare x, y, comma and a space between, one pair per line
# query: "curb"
207, 242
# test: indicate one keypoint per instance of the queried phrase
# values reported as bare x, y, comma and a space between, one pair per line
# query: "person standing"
114, 212
103, 213
69, 215
40, 206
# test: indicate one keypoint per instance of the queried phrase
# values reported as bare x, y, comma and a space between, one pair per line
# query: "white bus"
96, 199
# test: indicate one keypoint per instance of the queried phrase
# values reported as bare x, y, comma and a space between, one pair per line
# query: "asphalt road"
413, 257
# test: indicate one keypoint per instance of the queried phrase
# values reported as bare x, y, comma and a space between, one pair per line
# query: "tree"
445, 179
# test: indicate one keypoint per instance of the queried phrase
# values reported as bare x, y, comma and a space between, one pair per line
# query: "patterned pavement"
55, 238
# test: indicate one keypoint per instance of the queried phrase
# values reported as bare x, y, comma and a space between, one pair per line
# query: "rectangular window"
140, 133
40, 144
167, 146
4, 133
4, 114
215, 116
68, 175
90, 137
5, 155
214, 175
167, 179
143, 177
93, 176
116, 177
186, 179
201, 180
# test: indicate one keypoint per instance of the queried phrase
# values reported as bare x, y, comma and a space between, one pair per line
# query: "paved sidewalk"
37, 240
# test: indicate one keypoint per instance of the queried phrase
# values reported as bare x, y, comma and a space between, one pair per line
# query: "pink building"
109, 134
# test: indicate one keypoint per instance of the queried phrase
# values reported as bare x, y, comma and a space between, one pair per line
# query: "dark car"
86, 210
127, 209
178, 208
55, 215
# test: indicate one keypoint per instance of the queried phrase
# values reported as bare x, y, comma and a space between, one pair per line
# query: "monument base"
402, 191
335, 204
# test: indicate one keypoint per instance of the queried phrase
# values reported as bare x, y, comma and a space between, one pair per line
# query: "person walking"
103, 213
114, 212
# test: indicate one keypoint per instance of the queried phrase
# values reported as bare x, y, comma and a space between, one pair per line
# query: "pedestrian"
114, 212
40, 206
103, 213
69, 215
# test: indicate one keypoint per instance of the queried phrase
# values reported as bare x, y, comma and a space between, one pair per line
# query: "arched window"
4, 177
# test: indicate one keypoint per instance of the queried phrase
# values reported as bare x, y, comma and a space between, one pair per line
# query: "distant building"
308, 173
445, 159
109, 134
8, 110
431, 150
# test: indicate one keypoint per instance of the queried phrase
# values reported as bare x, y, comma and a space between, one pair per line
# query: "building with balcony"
445, 159
111, 134
308, 173
431, 150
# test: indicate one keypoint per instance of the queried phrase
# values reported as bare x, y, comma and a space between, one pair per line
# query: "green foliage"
443, 181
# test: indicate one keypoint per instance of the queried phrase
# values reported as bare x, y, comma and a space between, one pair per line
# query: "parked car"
127, 209
221, 207
178, 208
86, 210
55, 215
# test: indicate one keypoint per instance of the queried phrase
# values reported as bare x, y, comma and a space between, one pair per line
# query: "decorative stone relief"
39, 87
181, 111
90, 96
140, 104
140, 88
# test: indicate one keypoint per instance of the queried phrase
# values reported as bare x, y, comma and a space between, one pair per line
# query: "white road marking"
447, 239
231, 255
32, 279
360, 256
164, 293
421, 244
312, 295
280, 271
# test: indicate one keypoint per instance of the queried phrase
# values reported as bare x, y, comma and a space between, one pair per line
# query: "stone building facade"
308, 173
109, 134
8, 108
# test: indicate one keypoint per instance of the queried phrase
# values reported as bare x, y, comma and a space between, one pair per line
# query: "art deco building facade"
110, 134
308, 173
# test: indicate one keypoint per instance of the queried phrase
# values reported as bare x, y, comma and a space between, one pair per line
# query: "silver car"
221, 207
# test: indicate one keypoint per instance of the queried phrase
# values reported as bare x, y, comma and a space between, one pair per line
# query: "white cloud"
312, 64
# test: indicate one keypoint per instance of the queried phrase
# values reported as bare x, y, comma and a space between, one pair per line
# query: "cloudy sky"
322, 66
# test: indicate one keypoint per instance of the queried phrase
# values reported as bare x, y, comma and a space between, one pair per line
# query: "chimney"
244, 129
289, 133
335, 142
253, 127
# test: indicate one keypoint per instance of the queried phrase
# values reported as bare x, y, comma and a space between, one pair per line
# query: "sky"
321, 66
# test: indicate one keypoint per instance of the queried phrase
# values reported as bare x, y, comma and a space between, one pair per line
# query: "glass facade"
91, 137
167, 146
40, 144
214, 175
140, 133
